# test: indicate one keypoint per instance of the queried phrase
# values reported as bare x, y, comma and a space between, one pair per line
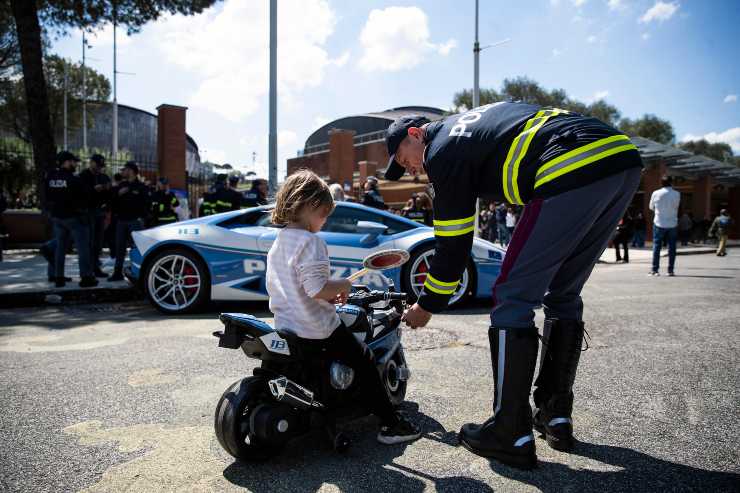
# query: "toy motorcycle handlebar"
369, 297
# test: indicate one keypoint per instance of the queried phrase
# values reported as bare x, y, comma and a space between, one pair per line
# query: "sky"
675, 59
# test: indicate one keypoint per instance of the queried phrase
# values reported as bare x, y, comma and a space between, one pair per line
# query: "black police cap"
397, 131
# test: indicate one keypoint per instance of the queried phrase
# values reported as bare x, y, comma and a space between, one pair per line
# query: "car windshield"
345, 219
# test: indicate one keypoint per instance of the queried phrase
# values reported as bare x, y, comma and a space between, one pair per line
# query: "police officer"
97, 186
235, 197
257, 195
164, 203
372, 197
416, 212
67, 200
131, 204
222, 198
576, 176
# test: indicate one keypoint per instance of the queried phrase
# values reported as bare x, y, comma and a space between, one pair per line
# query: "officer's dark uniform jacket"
507, 151
163, 207
252, 198
373, 198
134, 204
96, 200
66, 194
225, 199
422, 216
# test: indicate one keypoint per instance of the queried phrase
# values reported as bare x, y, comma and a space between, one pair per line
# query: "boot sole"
520, 462
554, 442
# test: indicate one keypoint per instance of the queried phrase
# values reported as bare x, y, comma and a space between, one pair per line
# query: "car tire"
177, 281
412, 280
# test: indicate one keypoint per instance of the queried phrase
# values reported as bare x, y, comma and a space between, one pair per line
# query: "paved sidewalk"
23, 282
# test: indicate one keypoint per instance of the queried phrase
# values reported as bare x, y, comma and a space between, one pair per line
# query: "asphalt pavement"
116, 397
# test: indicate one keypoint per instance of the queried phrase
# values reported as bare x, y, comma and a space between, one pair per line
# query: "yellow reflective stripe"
458, 232
440, 287
453, 222
582, 156
518, 150
454, 227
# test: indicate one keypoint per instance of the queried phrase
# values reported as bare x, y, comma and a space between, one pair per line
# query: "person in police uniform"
372, 196
97, 188
576, 176
257, 195
416, 212
164, 203
131, 205
67, 199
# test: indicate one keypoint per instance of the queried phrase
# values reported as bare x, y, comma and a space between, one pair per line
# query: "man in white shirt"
664, 202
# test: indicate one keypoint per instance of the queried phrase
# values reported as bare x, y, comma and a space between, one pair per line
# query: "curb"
51, 297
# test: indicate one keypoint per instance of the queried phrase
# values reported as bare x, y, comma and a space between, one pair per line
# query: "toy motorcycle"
291, 394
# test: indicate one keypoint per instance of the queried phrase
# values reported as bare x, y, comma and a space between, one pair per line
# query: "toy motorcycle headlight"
341, 376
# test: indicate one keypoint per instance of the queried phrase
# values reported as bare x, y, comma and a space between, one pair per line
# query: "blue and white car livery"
183, 265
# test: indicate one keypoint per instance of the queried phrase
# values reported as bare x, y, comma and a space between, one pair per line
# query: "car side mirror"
372, 230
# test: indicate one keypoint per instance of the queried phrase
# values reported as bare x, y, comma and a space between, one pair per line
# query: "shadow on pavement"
631, 471
367, 466
706, 277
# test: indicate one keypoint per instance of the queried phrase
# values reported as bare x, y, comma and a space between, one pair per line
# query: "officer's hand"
416, 316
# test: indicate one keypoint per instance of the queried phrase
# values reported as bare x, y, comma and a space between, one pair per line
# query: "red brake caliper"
421, 273
189, 281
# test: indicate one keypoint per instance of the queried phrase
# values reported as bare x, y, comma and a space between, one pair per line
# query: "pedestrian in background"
257, 195
664, 202
623, 236
492, 224
372, 197
721, 227
97, 187
685, 224
510, 221
164, 203
68, 205
337, 193
503, 232
640, 228
131, 205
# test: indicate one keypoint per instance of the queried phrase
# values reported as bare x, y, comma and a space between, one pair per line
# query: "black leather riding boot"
507, 435
553, 395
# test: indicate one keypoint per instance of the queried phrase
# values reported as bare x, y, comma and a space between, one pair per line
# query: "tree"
528, 91
649, 126
13, 114
719, 150
59, 16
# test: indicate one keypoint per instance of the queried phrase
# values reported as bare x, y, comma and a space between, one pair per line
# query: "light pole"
66, 89
115, 99
84, 94
476, 90
272, 145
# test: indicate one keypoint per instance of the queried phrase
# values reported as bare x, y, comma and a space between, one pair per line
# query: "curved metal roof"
369, 122
687, 163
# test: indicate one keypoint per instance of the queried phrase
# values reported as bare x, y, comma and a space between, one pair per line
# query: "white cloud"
598, 95
615, 4
556, 53
661, 11
554, 3
579, 3
104, 37
217, 156
229, 48
320, 121
591, 39
397, 38
730, 136
730, 98
645, 36
287, 139
341, 60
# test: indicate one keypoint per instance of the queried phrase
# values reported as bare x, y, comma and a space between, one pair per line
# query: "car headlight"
341, 376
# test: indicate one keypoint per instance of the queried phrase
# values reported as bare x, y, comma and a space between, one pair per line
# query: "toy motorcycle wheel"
232, 420
396, 387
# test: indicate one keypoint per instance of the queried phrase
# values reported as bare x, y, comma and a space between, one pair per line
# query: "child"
301, 294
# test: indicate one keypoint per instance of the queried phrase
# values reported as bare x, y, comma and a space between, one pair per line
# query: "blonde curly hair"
302, 189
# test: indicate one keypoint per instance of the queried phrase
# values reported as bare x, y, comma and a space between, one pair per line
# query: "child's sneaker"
402, 431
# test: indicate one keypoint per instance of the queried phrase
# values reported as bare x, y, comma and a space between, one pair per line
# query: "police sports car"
183, 265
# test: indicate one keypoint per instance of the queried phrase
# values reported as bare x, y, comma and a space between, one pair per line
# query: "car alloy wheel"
174, 282
418, 274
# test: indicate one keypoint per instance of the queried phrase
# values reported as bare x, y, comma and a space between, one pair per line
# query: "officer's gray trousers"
554, 248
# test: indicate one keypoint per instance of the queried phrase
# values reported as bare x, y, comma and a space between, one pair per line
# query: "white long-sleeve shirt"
665, 203
297, 269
